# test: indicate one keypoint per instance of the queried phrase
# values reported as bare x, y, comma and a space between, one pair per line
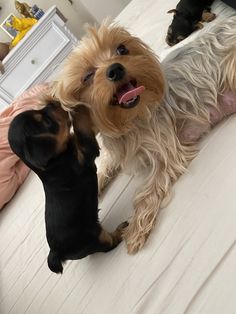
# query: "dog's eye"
88, 75
122, 50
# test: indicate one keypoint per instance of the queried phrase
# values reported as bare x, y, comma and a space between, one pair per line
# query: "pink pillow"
13, 171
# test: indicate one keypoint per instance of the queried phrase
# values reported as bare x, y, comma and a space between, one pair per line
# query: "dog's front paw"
134, 239
134, 246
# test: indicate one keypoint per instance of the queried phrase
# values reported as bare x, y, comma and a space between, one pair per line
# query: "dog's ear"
38, 150
198, 25
84, 131
172, 11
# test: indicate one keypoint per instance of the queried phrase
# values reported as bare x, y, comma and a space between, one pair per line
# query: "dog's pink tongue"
129, 92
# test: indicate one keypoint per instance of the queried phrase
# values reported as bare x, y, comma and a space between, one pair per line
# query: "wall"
78, 14
103, 8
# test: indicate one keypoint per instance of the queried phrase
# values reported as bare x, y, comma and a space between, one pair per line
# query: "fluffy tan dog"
150, 116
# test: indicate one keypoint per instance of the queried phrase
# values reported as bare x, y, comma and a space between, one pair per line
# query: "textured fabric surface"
187, 264
12, 170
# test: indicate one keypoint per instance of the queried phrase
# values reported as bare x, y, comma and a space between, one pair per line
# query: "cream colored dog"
150, 115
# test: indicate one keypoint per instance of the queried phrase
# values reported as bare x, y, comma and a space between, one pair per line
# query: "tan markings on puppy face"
84, 78
198, 25
61, 117
81, 120
63, 135
180, 38
61, 139
82, 123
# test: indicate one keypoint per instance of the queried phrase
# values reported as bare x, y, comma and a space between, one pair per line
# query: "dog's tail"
54, 262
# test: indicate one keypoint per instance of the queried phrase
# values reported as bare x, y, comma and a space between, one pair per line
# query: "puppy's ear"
172, 11
38, 150
84, 130
81, 120
198, 25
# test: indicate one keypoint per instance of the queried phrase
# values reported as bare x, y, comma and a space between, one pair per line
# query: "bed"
188, 264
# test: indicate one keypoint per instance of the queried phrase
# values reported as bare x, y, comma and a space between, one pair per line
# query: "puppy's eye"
88, 75
122, 50
180, 38
47, 122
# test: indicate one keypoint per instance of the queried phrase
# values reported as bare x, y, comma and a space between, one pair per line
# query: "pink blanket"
13, 171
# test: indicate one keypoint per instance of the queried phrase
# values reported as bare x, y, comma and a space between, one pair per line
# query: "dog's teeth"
131, 100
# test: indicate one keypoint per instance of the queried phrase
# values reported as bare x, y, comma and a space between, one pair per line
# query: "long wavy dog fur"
158, 130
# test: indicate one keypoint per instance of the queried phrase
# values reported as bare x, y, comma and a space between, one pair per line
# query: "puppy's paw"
122, 226
118, 233
208, 16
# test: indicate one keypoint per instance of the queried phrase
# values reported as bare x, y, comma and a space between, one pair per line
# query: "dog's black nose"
115, 72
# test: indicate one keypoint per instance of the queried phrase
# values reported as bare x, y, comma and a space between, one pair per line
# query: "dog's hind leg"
227, 98
228, 65
227, 103
153, 194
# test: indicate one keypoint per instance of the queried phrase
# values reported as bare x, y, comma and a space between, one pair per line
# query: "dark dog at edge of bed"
65, 163
188, 16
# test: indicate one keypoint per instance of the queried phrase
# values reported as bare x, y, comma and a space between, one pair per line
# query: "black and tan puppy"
188, 16
65, 164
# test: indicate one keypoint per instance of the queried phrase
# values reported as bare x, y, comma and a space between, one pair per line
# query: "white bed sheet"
189, 262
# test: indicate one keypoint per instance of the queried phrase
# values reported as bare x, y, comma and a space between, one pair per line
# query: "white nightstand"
37, 56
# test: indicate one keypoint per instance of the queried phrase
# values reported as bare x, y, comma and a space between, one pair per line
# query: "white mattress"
189, 262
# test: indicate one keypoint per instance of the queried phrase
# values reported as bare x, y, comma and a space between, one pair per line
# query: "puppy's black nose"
115, 72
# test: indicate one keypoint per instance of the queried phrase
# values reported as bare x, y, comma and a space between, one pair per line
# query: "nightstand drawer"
33, 64
37, 56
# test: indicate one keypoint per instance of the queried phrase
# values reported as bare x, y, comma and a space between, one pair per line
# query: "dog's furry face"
116, 74
179, 29
37, 136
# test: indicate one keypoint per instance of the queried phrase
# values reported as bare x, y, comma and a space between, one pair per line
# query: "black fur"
71, 190
186, 16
